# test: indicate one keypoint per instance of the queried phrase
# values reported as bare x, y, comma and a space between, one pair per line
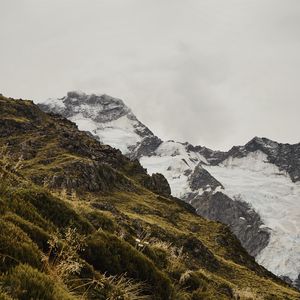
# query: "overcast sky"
211, 72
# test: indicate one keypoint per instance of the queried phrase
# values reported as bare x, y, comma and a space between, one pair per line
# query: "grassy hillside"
80, 221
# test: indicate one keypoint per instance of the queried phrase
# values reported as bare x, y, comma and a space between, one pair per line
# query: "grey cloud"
212, 72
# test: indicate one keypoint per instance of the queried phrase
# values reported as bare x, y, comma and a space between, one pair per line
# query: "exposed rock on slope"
244, 222
201, 179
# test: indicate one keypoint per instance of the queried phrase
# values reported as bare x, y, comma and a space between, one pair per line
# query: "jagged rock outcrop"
146, 147
80, 176
159, 185
244, 222
201, 179
297, 282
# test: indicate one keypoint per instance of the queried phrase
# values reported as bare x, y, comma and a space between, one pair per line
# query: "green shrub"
24, 282
38, 235
99, 220
200, 295
109, 254
205, 288
118, 287
55, 210
4, 296
225, 289
16, 246
3, 207
192, 281
27, 211
158, 256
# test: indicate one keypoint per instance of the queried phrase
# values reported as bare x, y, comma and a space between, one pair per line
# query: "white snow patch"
160, 164
172, 160
84, 123
276, 198
119, 133
54, 104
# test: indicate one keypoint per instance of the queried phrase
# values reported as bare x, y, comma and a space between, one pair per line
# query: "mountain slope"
75, 212
252, 188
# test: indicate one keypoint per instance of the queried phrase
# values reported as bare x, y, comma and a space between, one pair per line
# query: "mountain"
253, 188
81, 221
108, 119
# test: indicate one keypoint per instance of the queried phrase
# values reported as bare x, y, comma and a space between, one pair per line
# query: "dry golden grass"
246, 294
62, 260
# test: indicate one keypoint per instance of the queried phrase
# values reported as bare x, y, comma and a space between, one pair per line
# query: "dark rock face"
146, 148
158, 184
201, 179
286, 279
91, 177
243, 221
212, 157
297, 282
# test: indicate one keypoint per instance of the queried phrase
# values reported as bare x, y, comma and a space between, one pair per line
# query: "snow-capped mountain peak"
99, 108
254, 188
106, 117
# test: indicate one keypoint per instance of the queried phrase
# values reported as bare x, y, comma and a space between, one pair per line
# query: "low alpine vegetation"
78, 221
